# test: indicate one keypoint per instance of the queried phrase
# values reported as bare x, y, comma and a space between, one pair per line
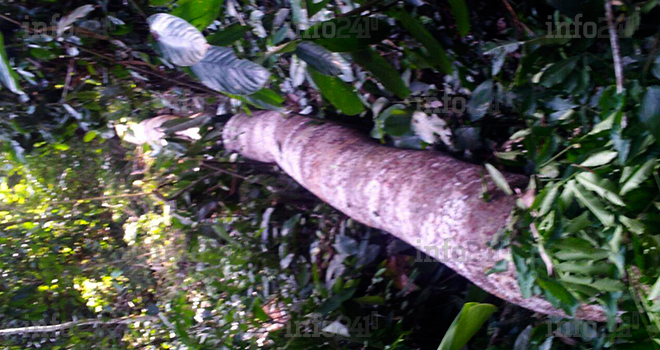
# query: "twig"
616, 51
67, 80
190, 186
73, 324
132, 66
100, 198
47, 218
516, 20
11, 20
228, 172
148, 72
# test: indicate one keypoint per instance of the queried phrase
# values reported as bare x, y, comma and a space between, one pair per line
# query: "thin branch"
44, 219
67, 80
189, 187
148, 72
544, 255
74, 324
11, 20
228, 172
132, 66
616, 51
100, 198
516, 20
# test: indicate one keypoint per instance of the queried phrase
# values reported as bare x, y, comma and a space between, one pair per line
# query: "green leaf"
335, 301
649, 111
481, 100
89, 136
229, 35
584, 267
340, 94
640, 175
558, 72
436, 54
549, 196
460, 11
314, 7
199, 13
656, 67
258, 311
499, 53
222, 71
268, 96
593, 204
655, 291
319, 58
371, 61
370, 300
7, 75
499, 179
180, 42
608, 285
600, 158
568, 302
347, 34
466, 325
500, 266
72, 17
396, 122
580, 253
61, 146
603, 187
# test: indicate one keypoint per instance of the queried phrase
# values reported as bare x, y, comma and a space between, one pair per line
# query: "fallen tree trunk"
430, 200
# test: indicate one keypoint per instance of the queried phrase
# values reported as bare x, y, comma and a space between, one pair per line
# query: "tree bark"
428, 199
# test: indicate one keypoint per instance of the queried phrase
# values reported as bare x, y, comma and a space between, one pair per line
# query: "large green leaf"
346, 34
229, 35
318, 57
180, 42
567, 301
499, 179
558, 72
599, 158
460, 11
340, 94
7, 75
200, 13
481, 101
72, 17
222, 71
466, 325
371, 61
499, 53
314, 7
602, 187
640, 175
593, 204
649, 111
436, 54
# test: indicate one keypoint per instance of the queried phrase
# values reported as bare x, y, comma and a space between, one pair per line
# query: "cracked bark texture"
428, 199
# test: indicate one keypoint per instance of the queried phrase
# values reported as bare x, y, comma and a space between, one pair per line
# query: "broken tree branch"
428, 199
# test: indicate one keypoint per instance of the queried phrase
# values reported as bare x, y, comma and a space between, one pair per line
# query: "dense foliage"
222, 252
